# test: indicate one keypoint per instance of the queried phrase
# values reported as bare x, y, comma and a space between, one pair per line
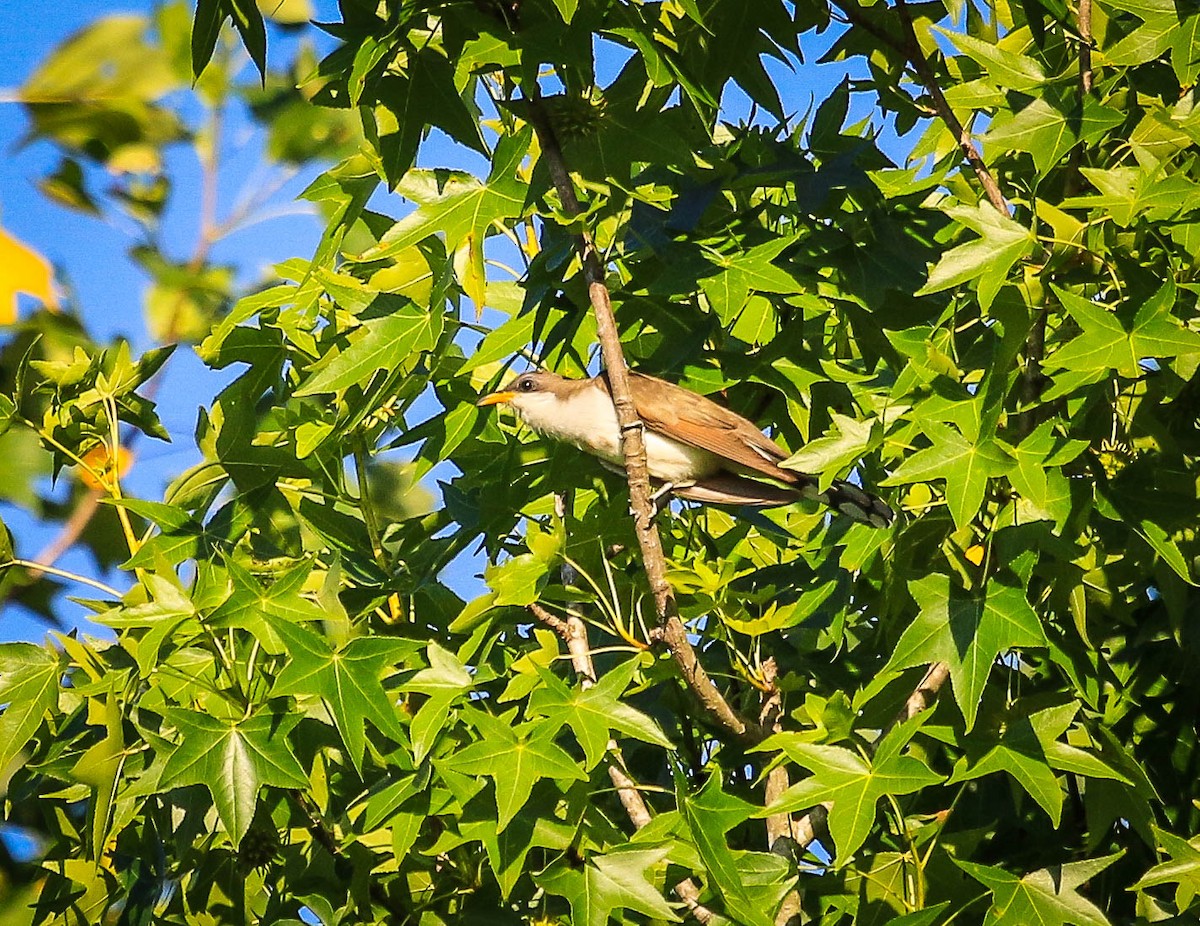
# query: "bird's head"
532, 395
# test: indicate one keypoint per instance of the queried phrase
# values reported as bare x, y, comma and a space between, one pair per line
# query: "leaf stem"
37, 569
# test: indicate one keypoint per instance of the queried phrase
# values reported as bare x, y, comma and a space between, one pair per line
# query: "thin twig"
910, 48
37, 570
573, 632
1085, 46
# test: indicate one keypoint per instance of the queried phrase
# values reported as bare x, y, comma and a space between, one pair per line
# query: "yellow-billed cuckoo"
695, 448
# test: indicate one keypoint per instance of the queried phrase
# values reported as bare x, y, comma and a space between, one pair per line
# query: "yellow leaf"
22, 270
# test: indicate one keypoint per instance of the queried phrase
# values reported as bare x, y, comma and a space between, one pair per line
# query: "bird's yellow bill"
496, 398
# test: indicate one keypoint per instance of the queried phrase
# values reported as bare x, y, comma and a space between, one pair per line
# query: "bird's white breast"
588, 420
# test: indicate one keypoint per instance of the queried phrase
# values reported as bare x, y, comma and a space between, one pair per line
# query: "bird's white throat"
586, 419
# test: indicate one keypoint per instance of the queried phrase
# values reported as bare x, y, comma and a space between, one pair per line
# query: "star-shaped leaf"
461, 208
1029, 751
1107, 342
1048, 896
1036, 474
444, 681
1183, 869
348, 680
613, 881
741, 274
710, 814
1048, 129
251, 603
514, 758
233, 759
988, 258
831, 453
965, 465
592, 712
853, 783
378, 344
965, 632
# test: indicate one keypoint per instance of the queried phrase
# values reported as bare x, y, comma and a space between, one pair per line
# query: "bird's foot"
658, 495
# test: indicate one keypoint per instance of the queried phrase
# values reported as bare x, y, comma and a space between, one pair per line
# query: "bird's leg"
662, 491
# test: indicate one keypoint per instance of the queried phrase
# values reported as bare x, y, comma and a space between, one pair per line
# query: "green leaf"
741, 274
514, 758
233, 759
1047, 896
592, 712
831, 453
1036, 473
853, 783
378, 344
249, 23
1182, 869
444, 681
1001, 243
710, 814
460, 208
965, 466
206, 26
615, 880
251, 604
1006, 69
29, 677
1022, 752
348, 680
1107, 343
518, 580
8, 413
965, 632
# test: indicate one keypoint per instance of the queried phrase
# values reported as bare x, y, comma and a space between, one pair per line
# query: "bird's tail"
855, 503
845, 497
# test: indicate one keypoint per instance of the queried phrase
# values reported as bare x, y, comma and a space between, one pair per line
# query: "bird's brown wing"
693, 419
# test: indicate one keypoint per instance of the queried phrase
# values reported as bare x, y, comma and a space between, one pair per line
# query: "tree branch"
633, 447
573, 632
779, 825
1085, 46
929, 80
910, 48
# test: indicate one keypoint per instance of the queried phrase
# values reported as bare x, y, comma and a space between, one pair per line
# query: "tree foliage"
979, 298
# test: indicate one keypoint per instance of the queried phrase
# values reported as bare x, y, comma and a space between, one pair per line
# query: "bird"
696, 449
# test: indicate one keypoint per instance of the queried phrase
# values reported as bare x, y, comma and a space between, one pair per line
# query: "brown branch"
633, 447
929, 80
910, 48
779, 825
573, 633
925, 692
1085, 46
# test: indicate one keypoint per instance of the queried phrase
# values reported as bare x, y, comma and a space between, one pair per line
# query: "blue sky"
91, 257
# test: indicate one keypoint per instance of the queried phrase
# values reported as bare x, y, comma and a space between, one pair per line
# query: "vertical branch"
633, 446
573, 632
916, 57
779, 825
1085, 46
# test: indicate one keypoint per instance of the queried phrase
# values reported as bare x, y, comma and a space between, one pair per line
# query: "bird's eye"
525, 385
